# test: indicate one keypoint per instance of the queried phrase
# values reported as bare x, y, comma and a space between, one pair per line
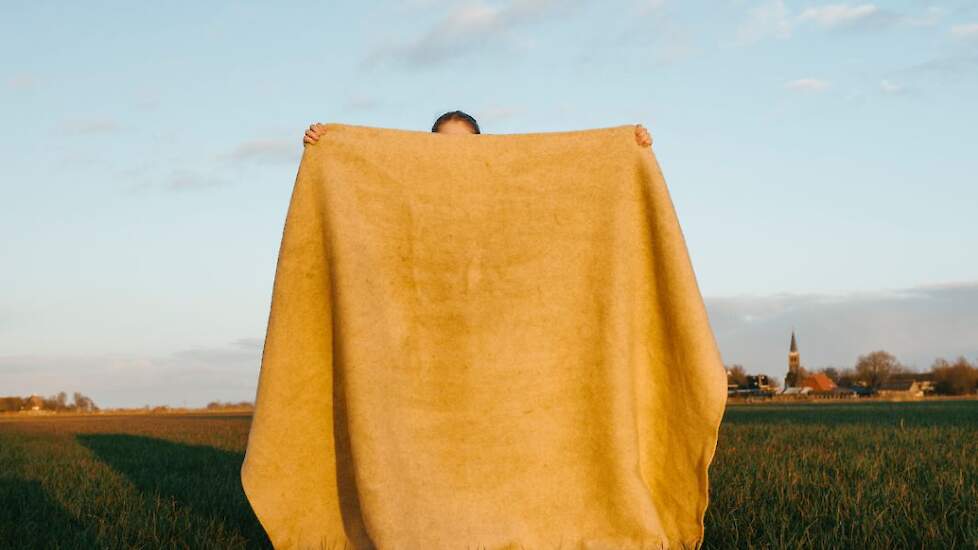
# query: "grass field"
861, 475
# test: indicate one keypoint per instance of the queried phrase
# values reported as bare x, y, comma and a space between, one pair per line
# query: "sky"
821, 158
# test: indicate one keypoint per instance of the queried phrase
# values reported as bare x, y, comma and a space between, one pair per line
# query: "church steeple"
794, 363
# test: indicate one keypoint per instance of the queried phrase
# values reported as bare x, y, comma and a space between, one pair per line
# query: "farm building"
818, 382
795, 391
902, 388
760, 382
34, 403
924, 381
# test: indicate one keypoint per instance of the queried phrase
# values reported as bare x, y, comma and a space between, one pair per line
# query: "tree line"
876, 368
58, 403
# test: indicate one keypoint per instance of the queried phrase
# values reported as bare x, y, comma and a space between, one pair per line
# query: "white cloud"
21, 82
773, 19
184, 180
267, 150
91, 126
891, 88
932, 17
838, 15
807, 85
467, 27
966, 31
917, 324
193, 376
648, 6
361, 102
770, 19
496, 113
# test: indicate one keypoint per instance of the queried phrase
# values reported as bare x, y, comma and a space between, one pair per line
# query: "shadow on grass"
203, 478
29, 518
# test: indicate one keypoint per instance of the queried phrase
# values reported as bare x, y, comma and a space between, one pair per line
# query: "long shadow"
29, 518
203, 478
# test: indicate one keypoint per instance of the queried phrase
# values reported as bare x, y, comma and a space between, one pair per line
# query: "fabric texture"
483, 341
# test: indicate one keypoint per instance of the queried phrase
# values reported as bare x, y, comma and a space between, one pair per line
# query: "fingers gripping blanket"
483, 341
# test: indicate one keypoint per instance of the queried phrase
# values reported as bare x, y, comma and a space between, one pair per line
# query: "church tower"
794, 362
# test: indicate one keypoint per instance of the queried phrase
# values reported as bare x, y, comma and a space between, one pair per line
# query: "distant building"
901, 388
794, 364
34, 403
756, 385
818, 382
760, 382
924, 383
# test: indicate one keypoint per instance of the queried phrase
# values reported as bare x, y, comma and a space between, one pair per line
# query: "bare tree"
738, 375
83, 403
11, 404
848, 377
875, 368
956, 378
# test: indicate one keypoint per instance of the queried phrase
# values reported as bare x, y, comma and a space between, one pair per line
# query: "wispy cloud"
87, 127
807, 85
188, 180
770, 19
951, 65
892, 88
773, 19
496, 113
179, 180
21, 82
362, 102
967, 31
474, 25
917, 324
841, 15
649, 6
266, 151
194, 376
929, 18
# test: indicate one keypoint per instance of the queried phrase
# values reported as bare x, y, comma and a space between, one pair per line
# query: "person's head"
455, 122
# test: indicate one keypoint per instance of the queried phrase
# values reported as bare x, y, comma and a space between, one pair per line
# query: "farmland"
861, 475
871, 475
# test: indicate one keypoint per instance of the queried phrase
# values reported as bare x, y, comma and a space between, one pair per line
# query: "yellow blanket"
483, 341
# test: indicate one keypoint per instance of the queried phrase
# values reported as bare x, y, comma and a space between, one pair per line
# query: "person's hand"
642, 136
315, 131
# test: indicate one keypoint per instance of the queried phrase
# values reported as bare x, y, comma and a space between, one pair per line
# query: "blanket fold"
483, 341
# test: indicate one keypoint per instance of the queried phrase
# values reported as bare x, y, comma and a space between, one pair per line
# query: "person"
458, 122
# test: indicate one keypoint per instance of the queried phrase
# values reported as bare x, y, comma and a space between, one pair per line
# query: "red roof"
818, 382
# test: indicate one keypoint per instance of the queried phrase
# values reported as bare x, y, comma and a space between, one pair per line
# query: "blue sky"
821, 157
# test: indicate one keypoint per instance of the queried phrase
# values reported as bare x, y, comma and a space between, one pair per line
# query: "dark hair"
456, 115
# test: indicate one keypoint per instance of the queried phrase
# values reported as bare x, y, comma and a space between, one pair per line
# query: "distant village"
56, 404
876, 374
59, 403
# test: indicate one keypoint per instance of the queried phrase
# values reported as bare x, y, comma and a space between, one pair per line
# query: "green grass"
860, 475
125, 482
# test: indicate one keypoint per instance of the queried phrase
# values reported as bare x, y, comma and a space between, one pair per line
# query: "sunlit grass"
860, 475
